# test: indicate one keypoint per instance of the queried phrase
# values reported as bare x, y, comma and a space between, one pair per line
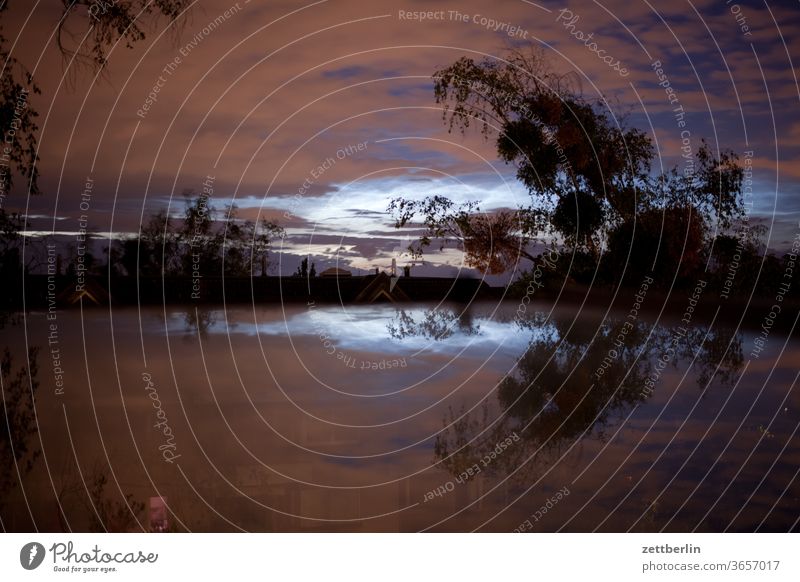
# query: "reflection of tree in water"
83, 504
720, 358
199, 320
435, 324
556, 397
17, 422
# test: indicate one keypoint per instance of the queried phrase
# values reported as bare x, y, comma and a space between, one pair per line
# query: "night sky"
273, 98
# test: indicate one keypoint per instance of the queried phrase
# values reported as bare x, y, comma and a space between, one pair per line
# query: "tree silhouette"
587, 172
302, 269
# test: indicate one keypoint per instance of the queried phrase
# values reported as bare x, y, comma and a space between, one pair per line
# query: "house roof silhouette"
91, 291
382, 288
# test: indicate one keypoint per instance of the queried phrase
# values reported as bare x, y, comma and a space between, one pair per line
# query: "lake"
406, 418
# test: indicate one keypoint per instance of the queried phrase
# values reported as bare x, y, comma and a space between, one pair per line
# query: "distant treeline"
202, 242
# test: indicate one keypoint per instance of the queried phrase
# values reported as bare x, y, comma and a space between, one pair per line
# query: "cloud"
266, 100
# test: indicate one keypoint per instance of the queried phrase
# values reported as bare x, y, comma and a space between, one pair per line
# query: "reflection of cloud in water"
358, 328
244, 420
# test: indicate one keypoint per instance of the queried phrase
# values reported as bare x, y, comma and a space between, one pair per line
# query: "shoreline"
750, 313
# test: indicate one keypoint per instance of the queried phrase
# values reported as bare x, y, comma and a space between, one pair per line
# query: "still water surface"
392, 418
